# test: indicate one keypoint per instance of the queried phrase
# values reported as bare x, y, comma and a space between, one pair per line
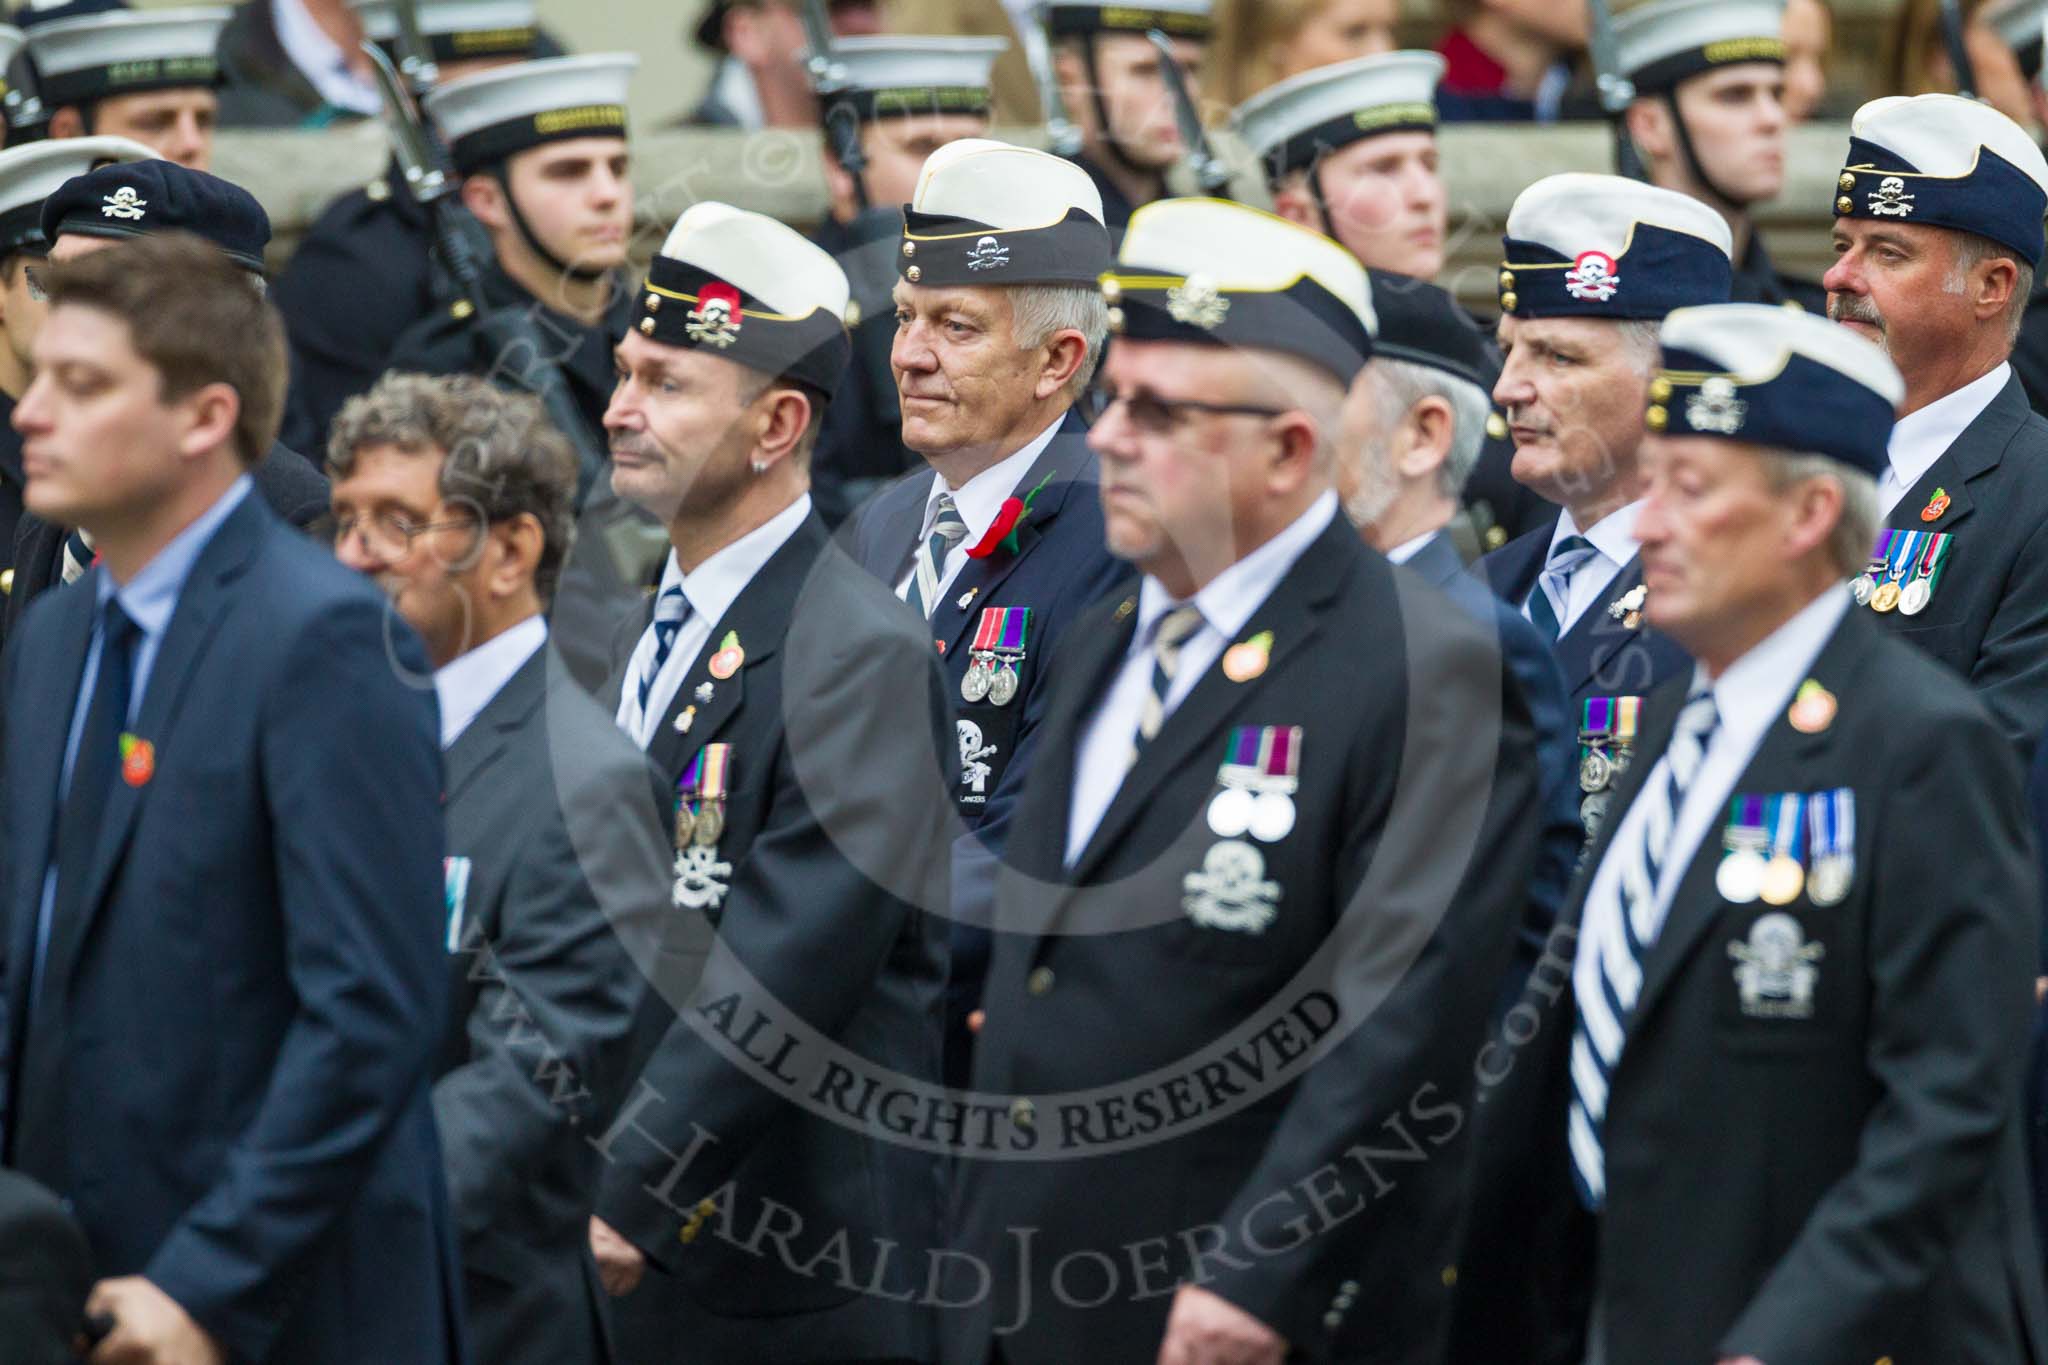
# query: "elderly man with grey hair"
1412, 425
456, 497
999, 545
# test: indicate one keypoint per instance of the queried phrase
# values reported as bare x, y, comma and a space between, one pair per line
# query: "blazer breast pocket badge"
1905, 569
454, 896
1256, 784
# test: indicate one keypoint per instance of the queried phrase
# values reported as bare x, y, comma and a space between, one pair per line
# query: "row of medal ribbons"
1778, 845
1905, 568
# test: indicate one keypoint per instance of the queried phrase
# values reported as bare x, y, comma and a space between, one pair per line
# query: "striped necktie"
78, 557
1554, 585
1616, 935
1168, 636
948, 530
671, 609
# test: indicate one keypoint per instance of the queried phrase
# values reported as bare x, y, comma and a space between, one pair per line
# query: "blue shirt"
150, 598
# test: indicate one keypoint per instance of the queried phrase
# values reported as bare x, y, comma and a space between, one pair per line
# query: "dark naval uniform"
13, 482
860, 445
359, 280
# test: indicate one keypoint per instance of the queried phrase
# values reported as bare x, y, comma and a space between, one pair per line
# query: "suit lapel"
758, 616
894, 547
1780, 763
202, 606
1596, 636
479, 746
1972, 455
1292, 614
1511, 570
1437, 562
1062, 468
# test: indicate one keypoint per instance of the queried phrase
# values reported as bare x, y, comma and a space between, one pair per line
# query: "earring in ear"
760, 466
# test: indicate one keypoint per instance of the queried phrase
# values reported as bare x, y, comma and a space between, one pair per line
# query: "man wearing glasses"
1281, 801
999, 327
78, 217
455, 497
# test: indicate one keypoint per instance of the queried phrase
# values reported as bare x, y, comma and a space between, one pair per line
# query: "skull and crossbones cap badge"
1943, 161
752, 290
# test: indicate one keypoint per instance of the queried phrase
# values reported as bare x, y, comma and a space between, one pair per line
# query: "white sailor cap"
1217, 273
32, 173
1667, 41
459, 30
1291, 125
990, 213
1175, 18
1601, 246
124, 52
1776, 377
891, 74
1944, 161
493, 114
750, 289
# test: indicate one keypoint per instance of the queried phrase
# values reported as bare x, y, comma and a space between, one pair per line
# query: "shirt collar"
1228, 600
151, 596
466, 685
1408, 549
1614, 535
734, 88
981, 498
1923, 435
1752, 691
320, 59
713, 586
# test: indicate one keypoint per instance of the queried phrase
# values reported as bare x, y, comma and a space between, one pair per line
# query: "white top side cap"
1163, 6
1752, 341
1576, 212
1004, 186
1648, 34
1237, 248
1940, 134
31, 174
525, 89
760, 256
105, 39
889, 62
1315, 97
439, 17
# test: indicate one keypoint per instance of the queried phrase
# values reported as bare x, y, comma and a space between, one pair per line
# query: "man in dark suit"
1282, 908
1800, 970
455, 497
1592, 263
45, 1274
1412, 427
1938, 235
794, 709
999, 544
74, 222
223, 982
899, 99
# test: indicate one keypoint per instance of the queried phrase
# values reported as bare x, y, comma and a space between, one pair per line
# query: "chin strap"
583, 273
1106, 133
1724, 199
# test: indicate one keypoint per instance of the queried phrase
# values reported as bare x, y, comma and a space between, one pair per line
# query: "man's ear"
484, 197
1649, 127
213, 410
68, 122
519, 542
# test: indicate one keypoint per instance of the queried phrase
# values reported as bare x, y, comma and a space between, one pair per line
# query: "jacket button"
1349, 1289
1040, 981
1333, 1320
1023, 1113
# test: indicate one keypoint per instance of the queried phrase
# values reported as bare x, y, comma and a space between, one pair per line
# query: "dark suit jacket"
1060, 569
45, 1274
1988, 619
259, 986
295, 490
1833, 1189
1529, 658
835, 837
554, 813
12, 483
1399, 888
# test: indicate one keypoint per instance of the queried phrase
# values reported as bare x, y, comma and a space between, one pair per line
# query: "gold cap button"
1660, 389
647, 327
1844, 204
913, 274
910, 248
1507, 279
1116, 319
654, 303
1847, 182
1656, 418
1112, 291
1508, 301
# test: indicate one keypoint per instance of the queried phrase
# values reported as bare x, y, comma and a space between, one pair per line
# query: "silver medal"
1596, 770
1272, 817
1828, 882
1740, 878
1592, 811
1861, 587
974, 686
1230, 812
1002, 689
1914, 599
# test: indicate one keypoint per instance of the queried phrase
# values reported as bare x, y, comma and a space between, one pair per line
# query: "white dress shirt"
1920, 437
1226, 603
978, 500
320, 59
1749, 695
710, 589
1614, 537
466, 685
1408, 549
